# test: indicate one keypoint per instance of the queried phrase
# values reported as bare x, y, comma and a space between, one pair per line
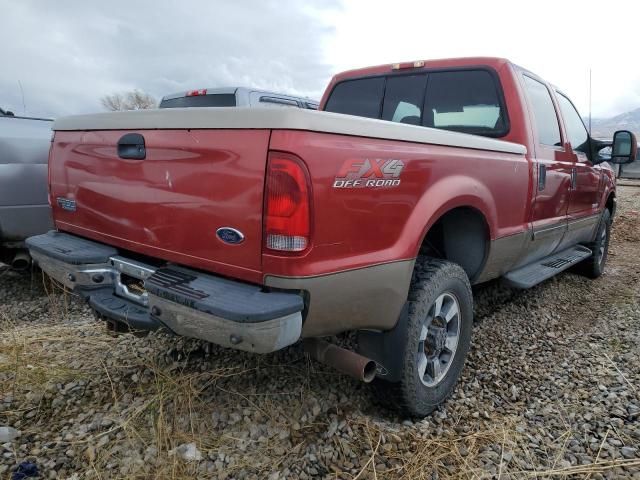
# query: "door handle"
574, 178
131, 146
542, 177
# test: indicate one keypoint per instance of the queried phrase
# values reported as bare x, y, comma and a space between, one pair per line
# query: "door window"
544, 112
576, 131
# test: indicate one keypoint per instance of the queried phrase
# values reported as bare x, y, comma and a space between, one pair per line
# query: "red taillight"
196, 93
287, 204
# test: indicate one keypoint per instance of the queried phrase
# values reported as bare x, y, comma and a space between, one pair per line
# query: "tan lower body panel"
365, 298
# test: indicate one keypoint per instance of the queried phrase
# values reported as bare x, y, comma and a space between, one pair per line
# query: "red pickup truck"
254, 228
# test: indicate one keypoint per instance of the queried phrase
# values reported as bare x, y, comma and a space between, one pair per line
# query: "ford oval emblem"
230, 235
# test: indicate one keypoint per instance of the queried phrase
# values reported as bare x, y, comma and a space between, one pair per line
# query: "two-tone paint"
205, 169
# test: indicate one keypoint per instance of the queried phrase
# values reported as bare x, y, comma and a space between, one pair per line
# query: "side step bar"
545, 268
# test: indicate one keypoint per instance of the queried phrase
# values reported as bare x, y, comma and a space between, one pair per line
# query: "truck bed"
204, 170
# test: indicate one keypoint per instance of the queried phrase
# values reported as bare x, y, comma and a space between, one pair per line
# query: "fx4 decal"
369, 173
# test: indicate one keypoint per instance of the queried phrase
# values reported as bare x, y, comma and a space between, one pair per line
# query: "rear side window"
544, 112
465, 101
213, 100
403, 99
362, 97
576, 131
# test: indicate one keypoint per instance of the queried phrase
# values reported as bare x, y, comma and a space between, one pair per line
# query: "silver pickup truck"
235, 97
24, 206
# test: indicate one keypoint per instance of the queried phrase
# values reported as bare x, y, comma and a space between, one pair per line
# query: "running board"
545, 268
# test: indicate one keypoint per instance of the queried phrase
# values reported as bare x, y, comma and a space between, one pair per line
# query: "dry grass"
171, 403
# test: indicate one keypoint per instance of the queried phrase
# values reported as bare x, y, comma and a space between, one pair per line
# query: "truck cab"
492, 97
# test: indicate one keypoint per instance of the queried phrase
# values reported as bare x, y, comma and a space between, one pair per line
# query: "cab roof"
417, 65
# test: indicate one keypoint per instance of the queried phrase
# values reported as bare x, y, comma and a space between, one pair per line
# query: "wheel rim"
603, 244
439, 339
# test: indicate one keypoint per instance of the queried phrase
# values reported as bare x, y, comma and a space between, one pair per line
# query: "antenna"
589, 101
24, 106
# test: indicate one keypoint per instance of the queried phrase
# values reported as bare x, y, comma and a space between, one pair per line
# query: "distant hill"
604, 127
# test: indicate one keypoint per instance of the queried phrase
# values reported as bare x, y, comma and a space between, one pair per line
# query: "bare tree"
113, 102
134, 100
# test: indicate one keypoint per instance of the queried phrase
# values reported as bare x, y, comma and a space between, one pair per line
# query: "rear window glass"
403, 99
361, 97
214, 100
465, 101
266, 101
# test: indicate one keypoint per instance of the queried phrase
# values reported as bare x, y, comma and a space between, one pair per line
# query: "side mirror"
624, 147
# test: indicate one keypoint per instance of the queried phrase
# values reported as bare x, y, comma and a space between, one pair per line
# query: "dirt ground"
550, 390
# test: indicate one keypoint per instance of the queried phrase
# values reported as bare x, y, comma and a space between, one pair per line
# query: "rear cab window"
468, 101
209, 100
271, 101
404, 99
360, 97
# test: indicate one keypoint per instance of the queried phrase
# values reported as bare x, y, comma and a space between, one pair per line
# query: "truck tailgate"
171, 203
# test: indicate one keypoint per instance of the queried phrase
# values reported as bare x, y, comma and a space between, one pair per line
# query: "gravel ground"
550, 389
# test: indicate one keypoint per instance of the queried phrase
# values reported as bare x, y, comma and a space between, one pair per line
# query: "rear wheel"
593, 266
438, 337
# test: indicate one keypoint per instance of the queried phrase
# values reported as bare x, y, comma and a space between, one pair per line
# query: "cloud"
560, 41
68, 54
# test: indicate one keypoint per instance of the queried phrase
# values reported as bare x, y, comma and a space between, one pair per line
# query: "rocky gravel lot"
551, 389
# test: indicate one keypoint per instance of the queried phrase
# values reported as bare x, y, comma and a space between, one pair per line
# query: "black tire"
432, 279
593, 266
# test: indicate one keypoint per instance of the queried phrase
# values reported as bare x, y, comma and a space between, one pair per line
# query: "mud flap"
386, 348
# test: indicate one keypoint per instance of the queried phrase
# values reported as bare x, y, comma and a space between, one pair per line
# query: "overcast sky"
68, 53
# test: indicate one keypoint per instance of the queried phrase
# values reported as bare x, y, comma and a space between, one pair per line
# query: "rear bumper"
189, 303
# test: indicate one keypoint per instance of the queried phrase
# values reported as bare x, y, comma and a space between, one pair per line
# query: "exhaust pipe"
353, 364
21, 262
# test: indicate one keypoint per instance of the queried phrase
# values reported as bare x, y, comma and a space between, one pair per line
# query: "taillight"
287, 221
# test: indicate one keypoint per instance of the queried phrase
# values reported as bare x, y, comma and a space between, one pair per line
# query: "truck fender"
445, 195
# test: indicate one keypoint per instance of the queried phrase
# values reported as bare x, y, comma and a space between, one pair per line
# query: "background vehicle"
24, 208
234, 97
252, 228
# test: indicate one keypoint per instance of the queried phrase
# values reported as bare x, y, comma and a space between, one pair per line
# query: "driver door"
584, 209
553, 165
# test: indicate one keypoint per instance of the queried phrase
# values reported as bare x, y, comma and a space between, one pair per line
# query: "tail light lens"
287, 204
